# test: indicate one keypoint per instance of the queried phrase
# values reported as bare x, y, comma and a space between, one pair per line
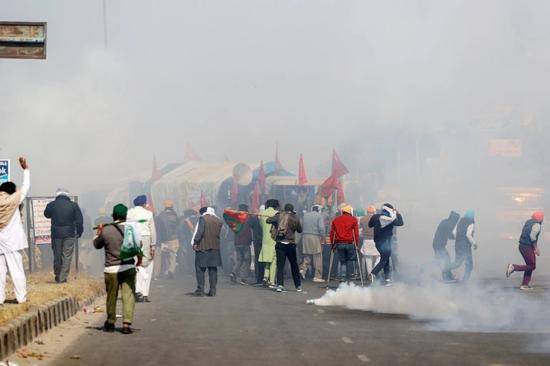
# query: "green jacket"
268, 244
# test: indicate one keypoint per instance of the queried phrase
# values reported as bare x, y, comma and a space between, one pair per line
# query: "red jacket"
344, 229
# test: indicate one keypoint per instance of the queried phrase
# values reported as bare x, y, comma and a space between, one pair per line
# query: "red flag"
234, 193
330, 185
155, 173
256, 198
261, 178
190, 154
338, 168
302, 178
204, 200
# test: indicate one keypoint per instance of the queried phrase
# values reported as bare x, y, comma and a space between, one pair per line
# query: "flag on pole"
302, 178
256, 198
235, 219
338, 168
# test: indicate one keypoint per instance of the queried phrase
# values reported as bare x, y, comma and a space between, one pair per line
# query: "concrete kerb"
27, 327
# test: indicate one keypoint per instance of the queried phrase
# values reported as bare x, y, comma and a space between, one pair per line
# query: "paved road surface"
251, 326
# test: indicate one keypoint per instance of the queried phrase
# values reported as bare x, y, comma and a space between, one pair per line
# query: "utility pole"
105, 37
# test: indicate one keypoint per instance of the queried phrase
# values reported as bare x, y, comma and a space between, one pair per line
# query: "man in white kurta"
12, 236
143, 218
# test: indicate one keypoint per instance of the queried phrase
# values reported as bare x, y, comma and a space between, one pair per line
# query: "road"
252, 326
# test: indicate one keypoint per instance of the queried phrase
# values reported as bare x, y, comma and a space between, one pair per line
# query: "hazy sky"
232, 77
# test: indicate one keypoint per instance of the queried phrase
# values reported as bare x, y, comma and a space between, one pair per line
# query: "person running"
244, 240
286, 225
444, 233
383, 224
344, 236
465, 231
529, 249
369, 251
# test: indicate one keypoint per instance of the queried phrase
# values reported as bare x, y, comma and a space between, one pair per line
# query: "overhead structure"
25, 40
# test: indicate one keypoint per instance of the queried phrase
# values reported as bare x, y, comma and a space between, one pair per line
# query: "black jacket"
251, 233
444, 231
382, 234
67, 221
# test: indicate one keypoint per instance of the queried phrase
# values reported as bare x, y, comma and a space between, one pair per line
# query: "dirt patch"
41, 288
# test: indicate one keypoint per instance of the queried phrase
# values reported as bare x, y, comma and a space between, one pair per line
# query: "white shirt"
13, 237
147, 228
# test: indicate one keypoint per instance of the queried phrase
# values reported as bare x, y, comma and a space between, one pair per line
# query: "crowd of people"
321, 245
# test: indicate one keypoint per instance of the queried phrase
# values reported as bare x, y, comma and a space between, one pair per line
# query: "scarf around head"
8, 206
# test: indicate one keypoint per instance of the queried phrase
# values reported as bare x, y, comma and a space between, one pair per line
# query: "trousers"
285, 251
13, 263
63, 251
144, 277
126, 283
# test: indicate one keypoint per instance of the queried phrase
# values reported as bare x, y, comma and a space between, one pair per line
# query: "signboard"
507, 148
22, 40
41, 228
4, 170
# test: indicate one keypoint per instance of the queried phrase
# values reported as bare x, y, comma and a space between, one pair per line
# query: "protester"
67, 227
102, 218
187, 226
444, 233
383, 224
369, 251
250, 233
529, 249
344, 237
286, 225
168, 228
119, 273
12, 235
313, 235
464, 242
268, 257
206, 244
144, 221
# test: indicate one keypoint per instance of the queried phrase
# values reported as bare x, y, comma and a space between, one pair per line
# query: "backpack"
280, 230
131, 246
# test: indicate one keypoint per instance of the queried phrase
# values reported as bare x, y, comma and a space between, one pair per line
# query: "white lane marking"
332, 323
320, 311
347, 340
363, 358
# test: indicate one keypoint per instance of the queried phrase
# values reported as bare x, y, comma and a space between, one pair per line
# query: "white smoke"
457, 307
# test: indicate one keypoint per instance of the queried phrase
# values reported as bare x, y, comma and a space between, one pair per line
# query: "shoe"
108, 327
211, 294
258, 284
371, 278
318, 280
280, 289
388, 282
127, 330
244, 282
303, 274
525, 288
146, 299
509, 270
233, 278
138, 297
299, 289
197, 293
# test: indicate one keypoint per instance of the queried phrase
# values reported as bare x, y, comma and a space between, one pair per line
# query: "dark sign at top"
22, 40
